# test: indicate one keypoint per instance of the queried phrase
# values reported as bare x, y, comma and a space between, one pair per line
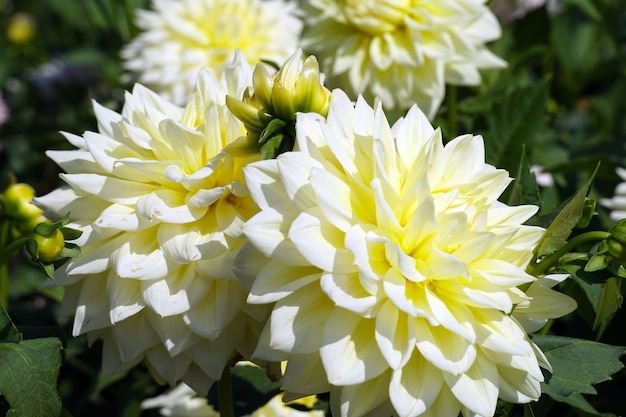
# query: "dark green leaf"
271, 148
70, 251
46, 229
28, 376
8, 331
561, 227
580, 402
577, 364
519, 119
70, 234
272, 129
525, 189
588, 7
609, 300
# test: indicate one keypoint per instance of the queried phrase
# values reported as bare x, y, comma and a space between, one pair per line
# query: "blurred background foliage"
561, 101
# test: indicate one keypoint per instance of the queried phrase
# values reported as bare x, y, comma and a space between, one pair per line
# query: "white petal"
477, 388
415, 387
349, 352
321, 243
395, 335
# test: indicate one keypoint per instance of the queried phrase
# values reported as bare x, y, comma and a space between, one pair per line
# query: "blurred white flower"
161, 208
617, 204
180, 401
510, 10
401, 51
393, 268
544, 179
181, 36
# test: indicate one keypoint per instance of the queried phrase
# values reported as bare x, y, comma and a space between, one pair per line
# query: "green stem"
225, 394
453, 116
10, 249
539, 268
4, 267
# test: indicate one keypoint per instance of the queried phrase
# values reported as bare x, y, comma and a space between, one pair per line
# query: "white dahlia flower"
401, 51
393, 268
181, 36
617, 203
161, 208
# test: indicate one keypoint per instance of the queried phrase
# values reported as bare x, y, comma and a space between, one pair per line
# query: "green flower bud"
618, 232
49, 247
16, 202
296, 87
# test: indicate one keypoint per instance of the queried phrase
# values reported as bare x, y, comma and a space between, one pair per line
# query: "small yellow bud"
16, 202
49, 247
21, 28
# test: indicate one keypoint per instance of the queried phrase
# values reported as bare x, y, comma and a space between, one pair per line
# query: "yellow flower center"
375, 16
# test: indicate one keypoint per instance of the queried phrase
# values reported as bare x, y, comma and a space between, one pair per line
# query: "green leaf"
579, 401
8, 331
577, 364
272, 129
70, 250
519, 119
561, 227
609, 301
28, 376
271, 148
588, 7
70, 234
525, 189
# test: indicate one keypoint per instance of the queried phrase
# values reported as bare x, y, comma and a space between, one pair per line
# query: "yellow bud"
16, 201
49, 247
21, 28
283, 105
309, 93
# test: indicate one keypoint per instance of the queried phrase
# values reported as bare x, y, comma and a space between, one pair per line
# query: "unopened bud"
16, 201
50, 247
296, 87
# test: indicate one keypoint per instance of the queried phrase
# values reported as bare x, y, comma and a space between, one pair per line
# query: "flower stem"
539, 268
5, 251
225, 394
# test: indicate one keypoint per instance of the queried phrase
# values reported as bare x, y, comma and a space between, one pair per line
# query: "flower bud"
16, 202
50, 247
296, 87
618, 232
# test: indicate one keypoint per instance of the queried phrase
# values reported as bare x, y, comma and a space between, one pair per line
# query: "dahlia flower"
393, 268
617, 203
161, 208
401, 51
180, 37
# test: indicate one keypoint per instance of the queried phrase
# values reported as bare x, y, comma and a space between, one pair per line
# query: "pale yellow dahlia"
393, 268
181, 36
403, 51
161, 208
